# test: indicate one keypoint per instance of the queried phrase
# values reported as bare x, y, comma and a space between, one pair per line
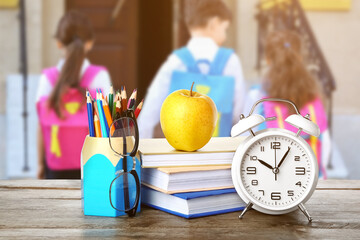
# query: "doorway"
133, 38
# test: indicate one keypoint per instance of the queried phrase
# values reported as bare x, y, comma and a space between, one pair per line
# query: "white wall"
42, 17
338, 34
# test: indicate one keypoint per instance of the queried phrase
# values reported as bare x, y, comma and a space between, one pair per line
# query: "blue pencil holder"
100, 166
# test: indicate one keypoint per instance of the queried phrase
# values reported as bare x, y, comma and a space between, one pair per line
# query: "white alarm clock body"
275, 170
274, 191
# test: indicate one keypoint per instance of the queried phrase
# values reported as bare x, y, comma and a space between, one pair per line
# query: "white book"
187, 179
157, 152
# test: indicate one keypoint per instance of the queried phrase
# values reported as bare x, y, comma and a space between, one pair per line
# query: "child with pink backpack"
60, 99
287, 78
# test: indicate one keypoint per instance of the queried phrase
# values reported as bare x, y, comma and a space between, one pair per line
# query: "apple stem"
191, 89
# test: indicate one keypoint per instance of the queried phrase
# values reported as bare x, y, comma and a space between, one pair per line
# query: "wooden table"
52, 208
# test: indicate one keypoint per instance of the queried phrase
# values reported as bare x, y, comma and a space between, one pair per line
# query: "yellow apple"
188, 119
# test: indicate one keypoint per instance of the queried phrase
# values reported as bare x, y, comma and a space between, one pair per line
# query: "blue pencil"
90, 116
101, 116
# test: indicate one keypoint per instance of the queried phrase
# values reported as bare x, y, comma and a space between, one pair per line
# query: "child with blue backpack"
215, 70
61, 102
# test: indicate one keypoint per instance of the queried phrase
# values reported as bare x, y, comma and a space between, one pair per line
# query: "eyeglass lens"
123, 130
123, 192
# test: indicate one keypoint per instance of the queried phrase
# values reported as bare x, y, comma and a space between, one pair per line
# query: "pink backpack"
63, 138
317, 115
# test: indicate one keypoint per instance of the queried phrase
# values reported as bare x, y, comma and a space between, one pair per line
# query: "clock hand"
277, 169
283, 158
265, 164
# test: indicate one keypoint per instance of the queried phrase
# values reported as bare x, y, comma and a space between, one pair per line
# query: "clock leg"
247, 208
305, 212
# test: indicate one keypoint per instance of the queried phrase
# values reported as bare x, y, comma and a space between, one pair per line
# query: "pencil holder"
101, 167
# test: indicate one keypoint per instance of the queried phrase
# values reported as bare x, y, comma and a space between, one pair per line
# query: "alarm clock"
274, 170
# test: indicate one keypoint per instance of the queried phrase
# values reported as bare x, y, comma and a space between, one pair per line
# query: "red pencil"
138, 109
123, 99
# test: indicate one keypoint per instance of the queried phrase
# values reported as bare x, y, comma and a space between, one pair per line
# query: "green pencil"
114, 106
111, 99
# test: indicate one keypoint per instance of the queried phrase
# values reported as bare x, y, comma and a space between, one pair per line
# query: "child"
288, 78
207, 22
61, 98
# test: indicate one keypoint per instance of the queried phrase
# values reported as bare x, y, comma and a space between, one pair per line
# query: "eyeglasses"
124, 141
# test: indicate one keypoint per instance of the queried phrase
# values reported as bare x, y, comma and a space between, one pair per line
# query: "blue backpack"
218, 87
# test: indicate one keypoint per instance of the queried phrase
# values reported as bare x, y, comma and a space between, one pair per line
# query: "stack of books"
189, 184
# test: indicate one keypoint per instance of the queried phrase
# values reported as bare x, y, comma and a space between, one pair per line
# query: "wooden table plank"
52, 208
75, 184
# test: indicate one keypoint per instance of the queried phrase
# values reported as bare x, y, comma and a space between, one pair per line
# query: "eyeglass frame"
129, 113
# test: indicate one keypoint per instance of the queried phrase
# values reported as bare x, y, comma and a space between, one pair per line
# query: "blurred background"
133, 39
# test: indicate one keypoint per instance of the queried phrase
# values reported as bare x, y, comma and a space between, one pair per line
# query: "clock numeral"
298, 183
276, 196
297, 158
300, 171
253, 158
263, 192
275, 145
290, 193
251, 170
262, 148
254, 182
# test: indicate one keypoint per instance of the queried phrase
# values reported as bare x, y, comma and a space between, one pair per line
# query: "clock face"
277, 171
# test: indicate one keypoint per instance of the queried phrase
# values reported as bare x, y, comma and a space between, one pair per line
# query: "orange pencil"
138, 109
106, 110
123, 99
96, 109
97, 126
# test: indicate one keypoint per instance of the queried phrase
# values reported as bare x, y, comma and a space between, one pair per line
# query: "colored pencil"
101, 116
123, 99
132, 100
138, 109
103, 110
113, 109
111, 98
102, 104
118, 99
90, 116
97, 126
96, 110
107, 112
88, 94
118, 109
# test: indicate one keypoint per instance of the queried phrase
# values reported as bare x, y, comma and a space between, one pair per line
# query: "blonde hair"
287, 76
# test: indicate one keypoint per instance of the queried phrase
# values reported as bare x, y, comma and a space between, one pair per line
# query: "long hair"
73, 31
287, 76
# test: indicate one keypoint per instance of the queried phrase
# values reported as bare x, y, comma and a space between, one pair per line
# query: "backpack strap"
220, 61
89, 75
52, 74
187, 58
